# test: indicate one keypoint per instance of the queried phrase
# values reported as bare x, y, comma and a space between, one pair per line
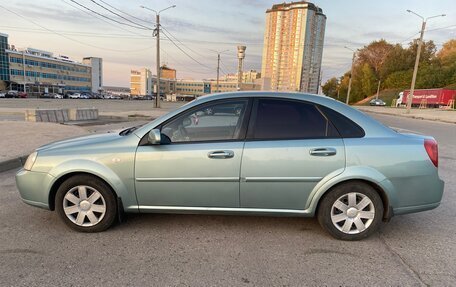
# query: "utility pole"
378, 89
417, 60
157, 34
218, 72
351, 74
217, 88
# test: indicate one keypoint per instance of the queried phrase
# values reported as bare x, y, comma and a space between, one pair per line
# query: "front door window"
215, 122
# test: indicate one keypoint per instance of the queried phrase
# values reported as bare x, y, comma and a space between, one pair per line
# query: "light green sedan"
260, 153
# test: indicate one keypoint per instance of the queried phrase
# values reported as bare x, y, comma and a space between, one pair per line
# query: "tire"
86, 204
347, 221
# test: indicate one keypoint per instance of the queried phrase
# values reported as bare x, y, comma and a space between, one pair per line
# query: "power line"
109, 18
181, 42
101, 19
177, 46
441, 28
64, 36
223, 65
118, 15
409, 38
137, 18
180, 63
76, 33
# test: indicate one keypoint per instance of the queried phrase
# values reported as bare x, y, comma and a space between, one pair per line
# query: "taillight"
432, 150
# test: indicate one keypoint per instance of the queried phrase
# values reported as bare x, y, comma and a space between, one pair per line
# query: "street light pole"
417, 60
218, 71
157, 34
351, 74
218, 67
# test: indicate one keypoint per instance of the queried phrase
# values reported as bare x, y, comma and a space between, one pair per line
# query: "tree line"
392, 66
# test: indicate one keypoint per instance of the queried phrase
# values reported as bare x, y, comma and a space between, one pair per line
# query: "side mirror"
154, 137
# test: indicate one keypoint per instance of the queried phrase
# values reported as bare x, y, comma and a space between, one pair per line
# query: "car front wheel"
351, 211
85, 203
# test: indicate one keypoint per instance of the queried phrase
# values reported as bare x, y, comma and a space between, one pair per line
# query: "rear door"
290, 147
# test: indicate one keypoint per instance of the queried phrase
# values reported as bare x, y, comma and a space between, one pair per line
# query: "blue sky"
202, 26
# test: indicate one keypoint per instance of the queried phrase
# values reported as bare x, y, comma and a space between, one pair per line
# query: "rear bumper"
413, 209
437, 194
34, 187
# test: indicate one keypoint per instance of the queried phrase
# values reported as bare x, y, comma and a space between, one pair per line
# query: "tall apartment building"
293, 46
97, 72
39, 71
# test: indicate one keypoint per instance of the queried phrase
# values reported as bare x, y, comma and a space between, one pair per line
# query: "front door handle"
327, 151
221, 154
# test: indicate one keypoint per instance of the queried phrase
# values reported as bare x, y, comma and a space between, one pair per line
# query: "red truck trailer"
428, 97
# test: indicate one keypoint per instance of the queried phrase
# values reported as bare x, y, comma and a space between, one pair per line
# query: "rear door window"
277, 119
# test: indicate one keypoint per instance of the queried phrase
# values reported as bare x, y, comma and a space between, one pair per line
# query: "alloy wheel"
352, 213
84, 205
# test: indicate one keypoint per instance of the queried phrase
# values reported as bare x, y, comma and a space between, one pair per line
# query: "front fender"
102, 171
351, 173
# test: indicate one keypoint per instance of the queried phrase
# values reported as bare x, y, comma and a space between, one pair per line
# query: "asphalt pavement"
37, 249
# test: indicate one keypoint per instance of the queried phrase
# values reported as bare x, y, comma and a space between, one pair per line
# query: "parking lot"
103, 105
199, 250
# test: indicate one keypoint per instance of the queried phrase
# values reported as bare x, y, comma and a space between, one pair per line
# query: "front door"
200, 166
290, 147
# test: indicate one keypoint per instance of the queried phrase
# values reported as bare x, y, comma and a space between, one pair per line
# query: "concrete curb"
410, 117
12, 163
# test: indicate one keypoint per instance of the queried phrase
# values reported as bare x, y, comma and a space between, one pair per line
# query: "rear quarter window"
346, 127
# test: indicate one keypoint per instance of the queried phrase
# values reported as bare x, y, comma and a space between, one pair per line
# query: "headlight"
30, 161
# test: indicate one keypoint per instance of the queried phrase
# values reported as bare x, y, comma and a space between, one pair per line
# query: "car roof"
371, 127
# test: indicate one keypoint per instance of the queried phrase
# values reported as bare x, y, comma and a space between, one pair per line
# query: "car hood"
82, 141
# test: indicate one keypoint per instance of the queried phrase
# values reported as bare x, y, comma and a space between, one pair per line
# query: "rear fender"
351, 173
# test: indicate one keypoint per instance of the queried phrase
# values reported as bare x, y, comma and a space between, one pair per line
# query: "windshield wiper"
128, 131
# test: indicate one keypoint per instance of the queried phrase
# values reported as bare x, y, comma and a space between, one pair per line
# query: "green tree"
368, 80
331, 87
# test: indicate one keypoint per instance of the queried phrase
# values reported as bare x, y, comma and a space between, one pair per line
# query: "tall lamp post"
218, 67
351, 74
157, 34
417, 60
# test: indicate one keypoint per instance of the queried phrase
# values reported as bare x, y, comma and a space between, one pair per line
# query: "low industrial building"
37, 72
142, 83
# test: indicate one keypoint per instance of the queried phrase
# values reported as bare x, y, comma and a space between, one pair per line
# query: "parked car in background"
56, 96
74, 96
262, 153
2, 95
377, 102
11, 94
22, 95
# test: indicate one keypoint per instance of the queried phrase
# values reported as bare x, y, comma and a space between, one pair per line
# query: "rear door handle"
327, 151
221, 154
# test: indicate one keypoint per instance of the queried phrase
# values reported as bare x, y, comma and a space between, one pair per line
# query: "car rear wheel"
351, 211
85, 203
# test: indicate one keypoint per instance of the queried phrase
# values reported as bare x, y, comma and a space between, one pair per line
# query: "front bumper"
34, 187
